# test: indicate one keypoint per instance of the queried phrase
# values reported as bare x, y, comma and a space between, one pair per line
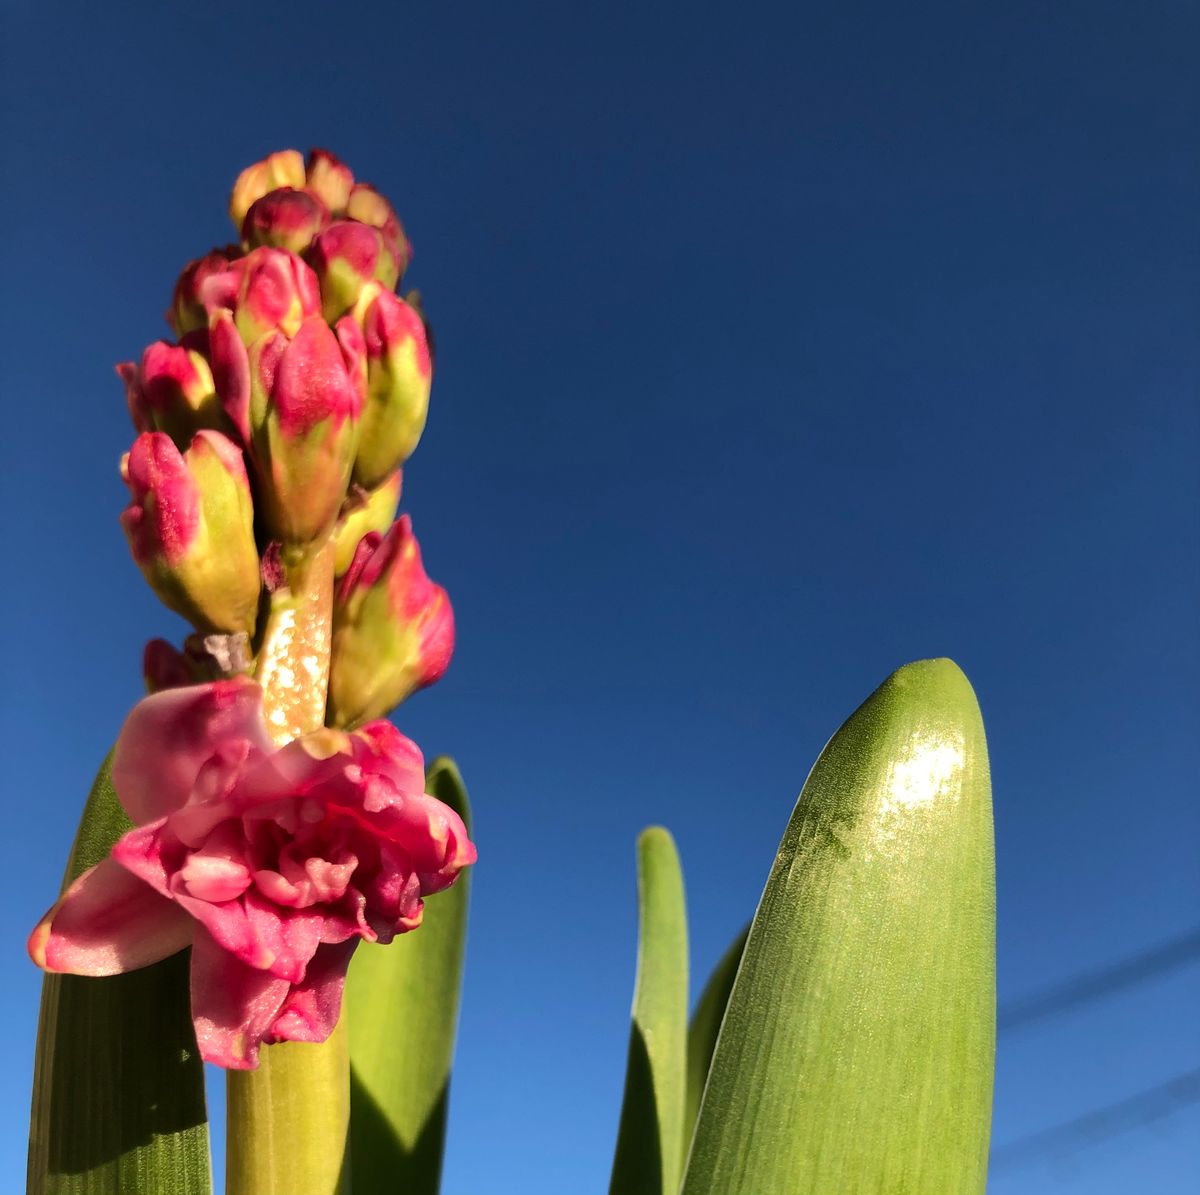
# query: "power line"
1135, 1112
1095, 984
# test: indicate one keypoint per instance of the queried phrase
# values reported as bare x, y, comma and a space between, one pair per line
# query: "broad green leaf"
118, 1094
856, 1053
650, 1141
705, 1025
402, 1005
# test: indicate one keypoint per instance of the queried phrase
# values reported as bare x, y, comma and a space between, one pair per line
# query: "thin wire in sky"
1101, 1124
1096, 984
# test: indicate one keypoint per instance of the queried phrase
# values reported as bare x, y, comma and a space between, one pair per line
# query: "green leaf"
857, 1049
650, 1141
706, 1024
402, 1005
118, 1090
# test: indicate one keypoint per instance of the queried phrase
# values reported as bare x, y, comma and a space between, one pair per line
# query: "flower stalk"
289, 1120
293, 662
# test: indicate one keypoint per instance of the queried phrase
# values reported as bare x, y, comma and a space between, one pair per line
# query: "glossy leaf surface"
857, 1049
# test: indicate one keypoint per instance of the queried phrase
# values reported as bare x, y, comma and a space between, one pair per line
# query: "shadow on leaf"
124, 1077
384, 1164
638, 1164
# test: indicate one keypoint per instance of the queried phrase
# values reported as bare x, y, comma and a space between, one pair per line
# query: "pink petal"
433, 836
108, 922
164, 666
380, 749
218, 870
311, 1009
268, 787
312, 384
354, 351
135, 397
259, 934
300, 882
163, 517
213, 878
233, 1005
140, 852
291, 936
231, 370
169, 737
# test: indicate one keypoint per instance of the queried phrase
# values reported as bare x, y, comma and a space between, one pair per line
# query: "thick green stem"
288, 1120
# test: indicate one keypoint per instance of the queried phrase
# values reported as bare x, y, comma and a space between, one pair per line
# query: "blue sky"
778, 346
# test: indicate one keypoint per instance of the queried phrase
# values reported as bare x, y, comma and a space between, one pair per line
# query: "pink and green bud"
282, 169
330, 180
294, 390
347, 256
284, 219
173, 392
164, 666
399, 374
204, 285
276, 292
190, 526
393, 629
231, 370
375, 512
306, 399
369, 206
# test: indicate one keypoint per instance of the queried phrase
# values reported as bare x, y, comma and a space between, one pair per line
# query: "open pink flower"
271, 864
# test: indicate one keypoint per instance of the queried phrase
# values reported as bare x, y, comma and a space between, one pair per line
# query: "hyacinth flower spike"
266, 843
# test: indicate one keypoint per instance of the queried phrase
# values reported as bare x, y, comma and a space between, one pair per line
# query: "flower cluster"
271, 864
271, 437
282, 414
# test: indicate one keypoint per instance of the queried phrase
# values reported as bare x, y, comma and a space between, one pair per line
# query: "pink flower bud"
282, 169
190, 526
305, 404
393, 629
399, 374
230, 370
271, 864
276, 292
173, 392
135, 399
294, 390
346, 257
165, 667
205, 284
284, 218
375, 513
329, 179
367, 205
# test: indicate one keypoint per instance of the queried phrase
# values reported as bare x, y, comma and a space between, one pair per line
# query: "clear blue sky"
778, 345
